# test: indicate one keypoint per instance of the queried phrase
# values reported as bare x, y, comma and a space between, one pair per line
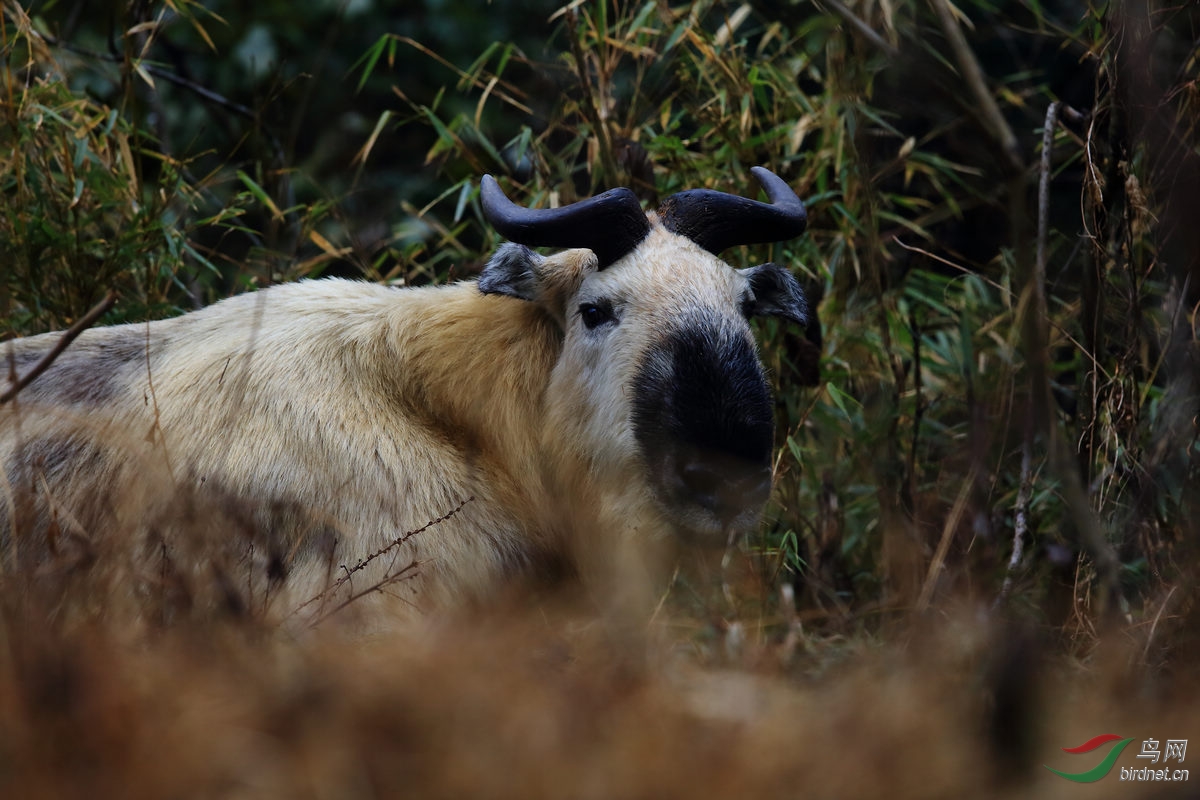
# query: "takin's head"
659, 377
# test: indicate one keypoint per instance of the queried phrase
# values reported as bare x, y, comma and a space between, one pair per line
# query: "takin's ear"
777, 293
514, 271
548, 281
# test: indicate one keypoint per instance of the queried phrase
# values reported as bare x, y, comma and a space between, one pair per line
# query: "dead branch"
1020, 517
1044, 200
405, 573
363, 562
82, 324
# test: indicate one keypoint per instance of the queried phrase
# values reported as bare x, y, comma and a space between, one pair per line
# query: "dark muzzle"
702, 416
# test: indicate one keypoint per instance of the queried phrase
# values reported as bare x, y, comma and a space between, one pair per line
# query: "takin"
542, 414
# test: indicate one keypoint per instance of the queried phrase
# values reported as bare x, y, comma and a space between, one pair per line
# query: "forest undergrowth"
981, 547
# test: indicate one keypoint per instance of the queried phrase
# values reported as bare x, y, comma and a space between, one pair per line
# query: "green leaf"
371, 58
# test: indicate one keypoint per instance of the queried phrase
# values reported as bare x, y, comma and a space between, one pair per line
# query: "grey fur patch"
48, 469
125, 345
512, 271
21, 363
78, 383
59, 456
283, 531
777, 293
53, 454
88, 373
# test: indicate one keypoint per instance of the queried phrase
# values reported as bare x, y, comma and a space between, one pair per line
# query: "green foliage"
76, 219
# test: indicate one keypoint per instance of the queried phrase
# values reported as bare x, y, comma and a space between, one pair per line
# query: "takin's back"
295, 430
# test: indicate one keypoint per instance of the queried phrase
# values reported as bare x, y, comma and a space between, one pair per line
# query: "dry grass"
111, 686
527, 701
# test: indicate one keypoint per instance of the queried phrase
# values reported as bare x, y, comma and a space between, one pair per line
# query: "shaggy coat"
551, 405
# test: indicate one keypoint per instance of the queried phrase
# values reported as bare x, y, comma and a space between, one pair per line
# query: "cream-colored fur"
342, 415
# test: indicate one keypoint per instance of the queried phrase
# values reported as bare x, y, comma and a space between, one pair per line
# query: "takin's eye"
596, 314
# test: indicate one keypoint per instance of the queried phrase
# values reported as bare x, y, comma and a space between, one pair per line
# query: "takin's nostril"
703, 483
722, 488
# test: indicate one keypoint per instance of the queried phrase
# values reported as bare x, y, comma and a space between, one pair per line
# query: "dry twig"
1025, 491
362, 563
1020, 517
82, 324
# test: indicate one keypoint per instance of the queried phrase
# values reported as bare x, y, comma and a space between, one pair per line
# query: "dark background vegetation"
998, 406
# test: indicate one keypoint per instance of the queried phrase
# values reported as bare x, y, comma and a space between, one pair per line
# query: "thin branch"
510, 93
162, 437
795, 630
1071, 114
989, 113
866, 30
1034, 321
363, 562
158, 72
1020, 516
1154, 624
1044, 202
919, 410
82, 324
1089, 528
943, 548
207, 94
411, 570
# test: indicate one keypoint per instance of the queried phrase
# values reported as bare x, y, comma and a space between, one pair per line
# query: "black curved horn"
609, 224
715, 220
